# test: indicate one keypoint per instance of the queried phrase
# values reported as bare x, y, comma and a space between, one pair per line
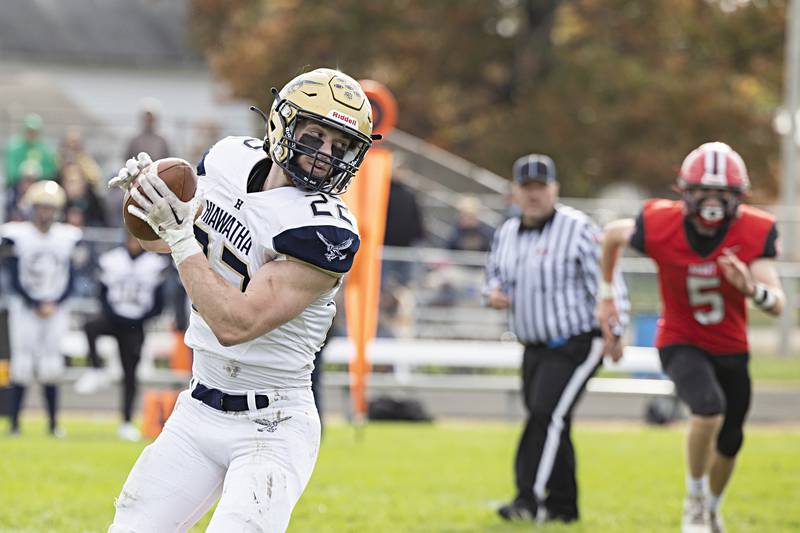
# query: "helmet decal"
714, 165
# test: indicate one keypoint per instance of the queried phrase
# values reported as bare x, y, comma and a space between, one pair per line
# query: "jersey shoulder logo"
335, 251
330, 248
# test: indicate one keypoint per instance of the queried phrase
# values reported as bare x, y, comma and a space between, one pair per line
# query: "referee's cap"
534, 167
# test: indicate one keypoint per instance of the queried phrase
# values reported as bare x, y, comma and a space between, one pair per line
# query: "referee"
543, 267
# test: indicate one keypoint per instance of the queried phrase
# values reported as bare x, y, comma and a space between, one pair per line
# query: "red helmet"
714, 165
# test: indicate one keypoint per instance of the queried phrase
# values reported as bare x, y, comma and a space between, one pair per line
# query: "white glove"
132, 169
172, 219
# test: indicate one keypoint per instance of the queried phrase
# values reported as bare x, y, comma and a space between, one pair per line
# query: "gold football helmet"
334, 100
45, 192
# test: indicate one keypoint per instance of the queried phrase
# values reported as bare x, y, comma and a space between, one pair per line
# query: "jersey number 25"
229, 259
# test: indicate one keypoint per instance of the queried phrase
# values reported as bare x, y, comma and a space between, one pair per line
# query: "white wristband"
185, 248
763, 297
605, 291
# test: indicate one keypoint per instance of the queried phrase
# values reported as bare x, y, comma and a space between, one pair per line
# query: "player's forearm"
775, 294
769, 295
616, 236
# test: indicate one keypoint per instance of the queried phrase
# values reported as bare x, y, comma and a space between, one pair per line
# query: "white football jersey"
240, 232
44, 259
131, 281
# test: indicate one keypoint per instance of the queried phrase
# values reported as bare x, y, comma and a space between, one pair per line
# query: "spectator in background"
469, 233
395, 309
83, 206
204, 134
71, 152
30, 171
29, 146
404, 227
148, 139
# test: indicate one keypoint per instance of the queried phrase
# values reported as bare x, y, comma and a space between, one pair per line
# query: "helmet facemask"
711, 216
44, 216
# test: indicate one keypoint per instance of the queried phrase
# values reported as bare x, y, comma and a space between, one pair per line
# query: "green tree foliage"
614, 90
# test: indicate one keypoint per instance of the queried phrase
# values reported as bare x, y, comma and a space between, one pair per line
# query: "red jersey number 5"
703, 291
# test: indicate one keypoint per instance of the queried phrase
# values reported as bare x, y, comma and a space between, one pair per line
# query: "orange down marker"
367, 198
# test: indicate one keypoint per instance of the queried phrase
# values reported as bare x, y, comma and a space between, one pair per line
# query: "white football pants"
36, 343
259, 461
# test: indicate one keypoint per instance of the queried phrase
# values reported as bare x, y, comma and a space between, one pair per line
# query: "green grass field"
445, 477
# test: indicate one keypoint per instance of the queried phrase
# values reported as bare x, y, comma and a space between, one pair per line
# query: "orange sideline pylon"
157, 405
181, 356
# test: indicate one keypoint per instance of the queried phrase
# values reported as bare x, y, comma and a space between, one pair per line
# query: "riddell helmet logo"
341, 117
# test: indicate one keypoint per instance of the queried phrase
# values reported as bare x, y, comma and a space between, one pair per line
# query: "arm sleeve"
637, 239
158, 301
771, 247
79, 258
494, 279
329, 248
70, 285
589, 256
201, 165
13, 270
11, 262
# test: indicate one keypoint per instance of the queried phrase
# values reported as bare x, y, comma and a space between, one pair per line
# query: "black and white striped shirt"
551, 275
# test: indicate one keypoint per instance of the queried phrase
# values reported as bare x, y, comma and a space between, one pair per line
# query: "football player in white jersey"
261, 265
132, 291
38, 254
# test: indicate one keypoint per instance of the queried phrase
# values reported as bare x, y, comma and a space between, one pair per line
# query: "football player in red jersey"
712, 253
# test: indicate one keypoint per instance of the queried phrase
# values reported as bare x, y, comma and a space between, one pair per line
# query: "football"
179, 177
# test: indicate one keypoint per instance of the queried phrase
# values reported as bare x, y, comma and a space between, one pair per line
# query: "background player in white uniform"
38, 254
261, 266
132, 287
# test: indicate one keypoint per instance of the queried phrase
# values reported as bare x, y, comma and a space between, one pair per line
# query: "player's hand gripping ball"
179, 176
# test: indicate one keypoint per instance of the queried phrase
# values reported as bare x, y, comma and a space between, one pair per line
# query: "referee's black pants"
553, 378
130, 338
